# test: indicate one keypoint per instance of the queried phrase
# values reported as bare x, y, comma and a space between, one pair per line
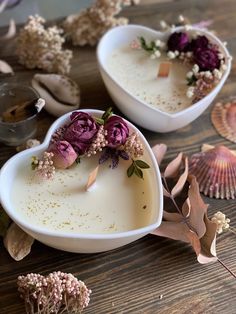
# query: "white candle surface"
116, 204
136, 72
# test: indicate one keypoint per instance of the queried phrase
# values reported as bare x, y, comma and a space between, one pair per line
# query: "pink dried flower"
117, 131
56, 293
58, 135
135, 44
63, 154
81, 131
207, 58
177, 41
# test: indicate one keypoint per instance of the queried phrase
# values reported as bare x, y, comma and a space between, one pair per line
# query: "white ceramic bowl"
139, 112
82, 243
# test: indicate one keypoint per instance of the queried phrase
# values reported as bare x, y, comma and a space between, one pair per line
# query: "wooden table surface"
132, 279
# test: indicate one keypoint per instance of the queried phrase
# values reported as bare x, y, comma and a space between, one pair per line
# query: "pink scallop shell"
215, 171
223, 117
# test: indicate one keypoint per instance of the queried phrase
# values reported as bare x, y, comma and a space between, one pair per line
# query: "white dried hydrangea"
221, 221
89, 25
38, 47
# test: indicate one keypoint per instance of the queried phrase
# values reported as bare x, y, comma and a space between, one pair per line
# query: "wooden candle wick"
164, 69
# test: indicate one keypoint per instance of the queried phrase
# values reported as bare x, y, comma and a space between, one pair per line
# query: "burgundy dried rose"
199, 42
64, 154
207, 59
177, 41
81, 131
117, 131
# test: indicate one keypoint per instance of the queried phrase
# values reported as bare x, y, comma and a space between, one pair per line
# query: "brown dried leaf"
186, 208
165, 192
172, 216
182, 180
173, 230
173, 167
198, 208
208, 243
194, 241
11, 31
92, 178
17, 242
5, 67
159, 151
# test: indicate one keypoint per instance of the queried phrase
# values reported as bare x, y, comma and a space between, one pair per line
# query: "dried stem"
227, 268
232, 229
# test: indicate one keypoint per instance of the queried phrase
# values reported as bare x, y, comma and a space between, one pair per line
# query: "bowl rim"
98, 236
103, 41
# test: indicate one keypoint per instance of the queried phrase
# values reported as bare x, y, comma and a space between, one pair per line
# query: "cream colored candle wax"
136, 72
115, 204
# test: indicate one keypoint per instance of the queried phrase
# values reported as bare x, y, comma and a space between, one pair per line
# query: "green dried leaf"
4, 222
141, 164
138, 172
107, 115
130, 170
148, 47
99, 120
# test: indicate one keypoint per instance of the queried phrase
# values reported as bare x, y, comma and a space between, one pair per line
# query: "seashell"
215, 170
17, 242
223, 117
5, 68
61, 94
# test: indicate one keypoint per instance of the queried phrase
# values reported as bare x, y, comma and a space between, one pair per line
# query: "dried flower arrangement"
86, 135
188, 220
41, 48
208, 63
56, 293
88, 26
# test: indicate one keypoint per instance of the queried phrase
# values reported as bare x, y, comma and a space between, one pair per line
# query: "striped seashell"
223, 117
215, 171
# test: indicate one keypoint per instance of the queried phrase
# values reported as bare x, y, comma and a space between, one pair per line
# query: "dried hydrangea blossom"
221, 221
89, 25
38, 47
98, 143
44, 167
133, 147
57, 293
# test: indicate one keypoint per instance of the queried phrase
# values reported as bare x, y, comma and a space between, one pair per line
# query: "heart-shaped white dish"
138, 111
78, 242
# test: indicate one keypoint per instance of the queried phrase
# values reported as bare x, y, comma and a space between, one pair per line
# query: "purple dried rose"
81, 131
117, 131
199, 42
207, 59
64, 154
177, 41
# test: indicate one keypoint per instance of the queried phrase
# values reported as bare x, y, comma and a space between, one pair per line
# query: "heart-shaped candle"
60, 212
148, 73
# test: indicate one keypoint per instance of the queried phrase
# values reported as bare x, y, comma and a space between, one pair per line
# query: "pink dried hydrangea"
56, 293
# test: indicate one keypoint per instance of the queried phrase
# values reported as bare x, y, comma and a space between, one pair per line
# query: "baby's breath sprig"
153, 47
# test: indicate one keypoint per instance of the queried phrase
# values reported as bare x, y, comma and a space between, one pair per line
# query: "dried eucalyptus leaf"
181, 181
198, 208
172, 216
159, 151
173, 167
208, 243
4, 222
173, 230
194, 241
186, 208
17, 242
